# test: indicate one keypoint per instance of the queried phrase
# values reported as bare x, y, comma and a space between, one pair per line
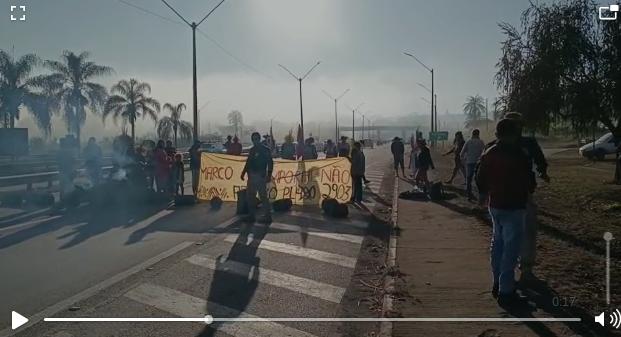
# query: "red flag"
299, 150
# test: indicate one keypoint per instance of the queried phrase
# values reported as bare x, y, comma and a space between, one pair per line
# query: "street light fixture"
194, 25
432, 86
336, 116
300, 79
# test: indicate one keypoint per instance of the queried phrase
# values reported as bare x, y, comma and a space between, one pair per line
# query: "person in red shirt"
503, 176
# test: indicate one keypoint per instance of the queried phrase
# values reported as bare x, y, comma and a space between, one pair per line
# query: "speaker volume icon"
615, 319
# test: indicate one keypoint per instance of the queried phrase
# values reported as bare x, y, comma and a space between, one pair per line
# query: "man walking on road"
503, 176
535, 156
357, 171
398, 152
259, 167
470, 154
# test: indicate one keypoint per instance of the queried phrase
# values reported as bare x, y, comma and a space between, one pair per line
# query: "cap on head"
476, 132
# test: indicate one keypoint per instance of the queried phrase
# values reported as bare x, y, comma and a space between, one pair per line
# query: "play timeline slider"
19, 320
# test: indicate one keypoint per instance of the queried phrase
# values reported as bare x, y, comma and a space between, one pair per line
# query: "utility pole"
486, 118
300, 79
353, 120
336, 116
432, 89
194, 26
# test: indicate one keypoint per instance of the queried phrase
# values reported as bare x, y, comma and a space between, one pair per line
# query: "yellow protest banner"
304, 182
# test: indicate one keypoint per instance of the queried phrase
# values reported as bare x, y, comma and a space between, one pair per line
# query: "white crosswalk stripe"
184, 305
336, 222
312, 232
301, 285
309, 253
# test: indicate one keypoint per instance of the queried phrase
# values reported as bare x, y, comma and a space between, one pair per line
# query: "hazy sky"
359, 42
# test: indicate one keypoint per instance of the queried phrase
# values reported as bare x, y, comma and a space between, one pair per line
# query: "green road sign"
439, 135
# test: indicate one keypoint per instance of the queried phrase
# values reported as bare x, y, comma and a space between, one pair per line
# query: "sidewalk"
444, 255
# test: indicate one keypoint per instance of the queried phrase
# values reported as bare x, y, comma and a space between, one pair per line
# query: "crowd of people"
504, 172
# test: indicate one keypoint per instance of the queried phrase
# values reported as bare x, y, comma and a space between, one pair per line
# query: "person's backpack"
215, 203
185, 200
242, 202
437, 191
282, 205
333, 208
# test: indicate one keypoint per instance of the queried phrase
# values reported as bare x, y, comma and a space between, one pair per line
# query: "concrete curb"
391, 259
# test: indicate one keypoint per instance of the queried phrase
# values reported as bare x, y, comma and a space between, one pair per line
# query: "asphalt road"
300, 266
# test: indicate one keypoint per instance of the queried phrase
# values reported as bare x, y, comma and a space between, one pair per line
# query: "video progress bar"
208, 319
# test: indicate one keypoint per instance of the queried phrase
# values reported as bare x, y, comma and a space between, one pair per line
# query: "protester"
162, 167
228, 143
470, 154
424, 163
535, 156
66, 168
259, 167
357, 171
310, 151
398, 152
178, 174
235, 148
287, 150
195, 164
331, 150
458, 145
414, 154
344, 147
92, 160
504, 176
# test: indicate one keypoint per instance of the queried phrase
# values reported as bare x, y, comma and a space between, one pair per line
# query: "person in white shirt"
470, 154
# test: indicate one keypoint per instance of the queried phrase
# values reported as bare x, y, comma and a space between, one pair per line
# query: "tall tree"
474, 108
236, 120
72, 76
173, 124
562, 66
18, 89
130, 100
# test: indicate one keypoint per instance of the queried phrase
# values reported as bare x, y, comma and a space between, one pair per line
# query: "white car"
606, 144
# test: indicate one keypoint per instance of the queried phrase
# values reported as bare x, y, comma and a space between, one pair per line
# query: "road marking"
298, 284
338, 222
62, 305
334, 236
30, 223
184, 305
309, 253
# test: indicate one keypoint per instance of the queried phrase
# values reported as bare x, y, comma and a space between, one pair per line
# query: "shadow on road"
235, 279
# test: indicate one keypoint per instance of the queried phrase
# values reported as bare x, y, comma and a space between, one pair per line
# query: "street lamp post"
353, 120
300, 79
194, 26
336, 116
432, 87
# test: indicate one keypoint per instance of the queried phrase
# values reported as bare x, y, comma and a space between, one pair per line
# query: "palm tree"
17, 89
474, 108
73, 75
130, 101
173, 124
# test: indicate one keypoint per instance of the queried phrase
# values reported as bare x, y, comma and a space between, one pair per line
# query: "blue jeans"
471, 169
506, 246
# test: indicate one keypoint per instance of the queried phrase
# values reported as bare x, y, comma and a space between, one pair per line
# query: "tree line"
70, 89
562, 65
